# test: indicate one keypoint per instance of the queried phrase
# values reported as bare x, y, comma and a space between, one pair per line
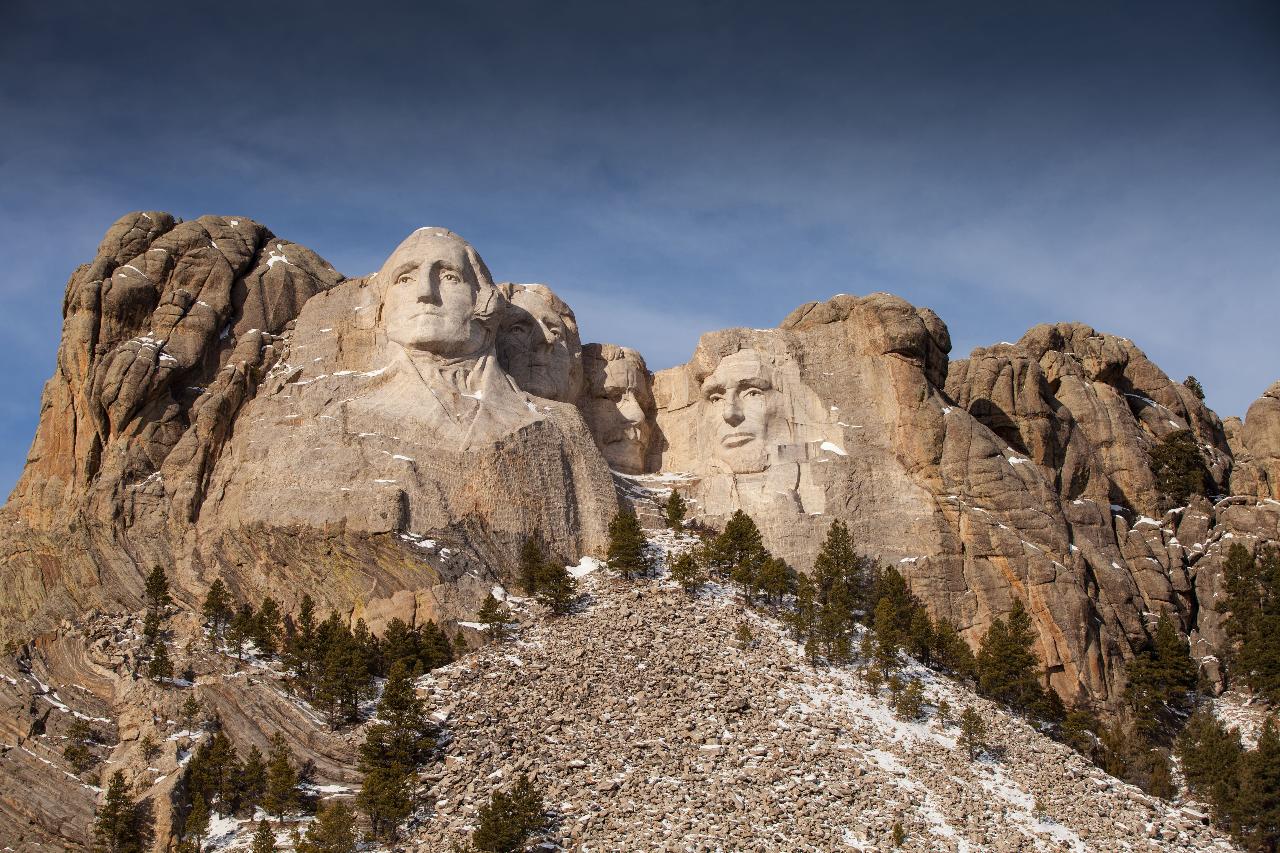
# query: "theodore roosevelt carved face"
617, 404
743, 408
438, 298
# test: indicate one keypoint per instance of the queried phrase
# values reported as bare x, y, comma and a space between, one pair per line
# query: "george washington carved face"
742, 404
438, 298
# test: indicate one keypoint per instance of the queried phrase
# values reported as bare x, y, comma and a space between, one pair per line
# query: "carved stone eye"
405, 278
450, 275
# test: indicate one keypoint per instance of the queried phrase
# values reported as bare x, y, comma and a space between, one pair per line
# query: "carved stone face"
618, 406
538, 344
743, 407
436, 289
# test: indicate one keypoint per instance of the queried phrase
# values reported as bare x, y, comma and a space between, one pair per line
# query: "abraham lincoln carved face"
742, 406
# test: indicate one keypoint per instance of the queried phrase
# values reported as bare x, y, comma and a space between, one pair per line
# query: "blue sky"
675, 168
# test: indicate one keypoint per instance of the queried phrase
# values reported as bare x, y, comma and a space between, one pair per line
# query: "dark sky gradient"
675, 169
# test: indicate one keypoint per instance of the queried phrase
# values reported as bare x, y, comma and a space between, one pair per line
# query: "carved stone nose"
732, 411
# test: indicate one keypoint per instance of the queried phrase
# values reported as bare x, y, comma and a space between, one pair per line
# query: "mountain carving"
227, 405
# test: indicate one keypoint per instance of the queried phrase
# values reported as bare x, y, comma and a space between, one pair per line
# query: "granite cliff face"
227, 405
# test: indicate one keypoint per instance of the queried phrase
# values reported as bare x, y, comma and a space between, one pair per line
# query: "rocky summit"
231, 413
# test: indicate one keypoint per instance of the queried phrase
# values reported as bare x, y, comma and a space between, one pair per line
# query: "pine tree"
190, 709
804, 618
394, 747
775, 580
217, 606
1178, 468
151, 626
161, 667
266, 627
157, 589
282, 779
121, 824
910, 702
1007, 667
253, 780
434, 648
675, 509
951, 653
973, 733
1258, 804
494, 616
921, 641
686, 572
1211, 757
557, 589
332, 832
1195, 387
509, 818
627, 546
77, 751
196, 825
531, 565
1161, 679
264, 840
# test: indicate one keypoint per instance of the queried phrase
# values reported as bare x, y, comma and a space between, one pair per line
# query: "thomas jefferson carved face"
743, 404
617, 404
438, 296
538, 344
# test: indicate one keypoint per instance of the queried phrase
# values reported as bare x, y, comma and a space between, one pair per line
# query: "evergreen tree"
920, 637
627, 546
1161, 680
1079, 730
494, 616
1258, 657
910, 702
160, 667
266, 627
196, 825
264, 840
951, 653
253, 780
509, 818
1211, 757
217, 606
1007, 667
394, 747
190, 710
775, 580
804, 618
434, 649
77, 751
282, 779
686, 572
151, 626
300, 649
121, 824
1258, 804
557, 589
1178, 468
332, 832
1194, 385
157, 589
532, 562
973, 733
675, 509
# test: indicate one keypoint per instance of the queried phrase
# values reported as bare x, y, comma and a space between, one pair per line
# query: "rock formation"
228, 405
1255, 444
